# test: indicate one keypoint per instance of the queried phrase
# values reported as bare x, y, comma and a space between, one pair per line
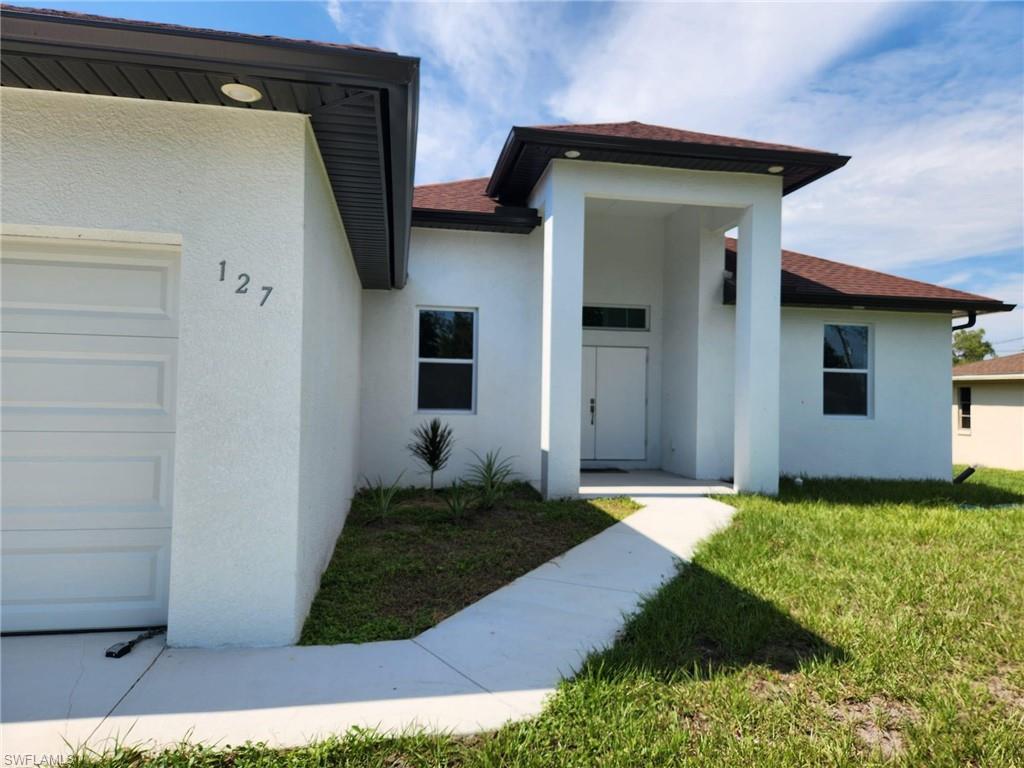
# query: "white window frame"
869, 371
960, 428
448, 361
604, 328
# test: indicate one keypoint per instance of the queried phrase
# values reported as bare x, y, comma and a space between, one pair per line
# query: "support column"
758, 276
562, 340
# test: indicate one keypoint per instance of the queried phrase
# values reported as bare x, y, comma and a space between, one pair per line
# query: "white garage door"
90, 326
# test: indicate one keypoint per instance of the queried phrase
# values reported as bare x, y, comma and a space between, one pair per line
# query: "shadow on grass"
700, 624
984, 490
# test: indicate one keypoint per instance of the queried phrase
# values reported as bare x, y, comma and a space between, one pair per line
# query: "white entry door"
89, 349
614, 403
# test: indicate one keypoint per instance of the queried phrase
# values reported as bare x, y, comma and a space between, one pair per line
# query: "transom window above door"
615, 318
446, 360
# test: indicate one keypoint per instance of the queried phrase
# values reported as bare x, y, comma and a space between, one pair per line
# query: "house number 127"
243, 283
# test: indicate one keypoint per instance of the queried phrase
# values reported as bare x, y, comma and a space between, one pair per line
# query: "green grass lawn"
391, 579
842, 623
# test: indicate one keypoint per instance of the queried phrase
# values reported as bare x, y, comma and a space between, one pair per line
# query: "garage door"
90, 326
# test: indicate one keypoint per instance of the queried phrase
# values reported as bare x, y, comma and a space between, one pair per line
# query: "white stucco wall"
232, 184
692, 335
697, 395
907, 433
679, 370
331, 341
622, 265
996, 436
499, 276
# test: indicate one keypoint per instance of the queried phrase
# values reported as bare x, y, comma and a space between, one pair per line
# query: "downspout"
972, 318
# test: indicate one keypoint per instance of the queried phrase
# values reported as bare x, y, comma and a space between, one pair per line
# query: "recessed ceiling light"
775, 169
572, 154
240, 92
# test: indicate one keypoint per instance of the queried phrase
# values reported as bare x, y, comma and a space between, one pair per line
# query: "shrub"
432, 445
378, 498
458, 498
490, 474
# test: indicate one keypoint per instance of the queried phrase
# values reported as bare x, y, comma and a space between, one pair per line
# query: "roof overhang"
528, 151
837, 300
508, 219
992, 377
362, 103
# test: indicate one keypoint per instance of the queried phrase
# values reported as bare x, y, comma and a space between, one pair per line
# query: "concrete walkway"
494, 661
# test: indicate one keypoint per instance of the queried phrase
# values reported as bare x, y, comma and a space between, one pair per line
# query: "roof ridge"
739, 140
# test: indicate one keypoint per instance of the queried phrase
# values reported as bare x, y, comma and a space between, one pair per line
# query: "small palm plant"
378, 498
490, 474
458, 498
432, 445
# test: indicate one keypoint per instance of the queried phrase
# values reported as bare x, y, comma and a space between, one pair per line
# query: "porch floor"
646, 483
496, 660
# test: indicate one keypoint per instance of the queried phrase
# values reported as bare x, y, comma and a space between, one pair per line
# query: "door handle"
593, 409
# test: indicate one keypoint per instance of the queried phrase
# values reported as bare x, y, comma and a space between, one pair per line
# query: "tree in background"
970, 346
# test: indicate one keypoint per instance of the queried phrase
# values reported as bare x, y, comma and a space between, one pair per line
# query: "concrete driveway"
495, 661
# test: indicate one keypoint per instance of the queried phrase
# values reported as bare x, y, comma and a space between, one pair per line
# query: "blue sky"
927, 98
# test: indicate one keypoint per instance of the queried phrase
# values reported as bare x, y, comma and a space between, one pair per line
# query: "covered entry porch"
660, 374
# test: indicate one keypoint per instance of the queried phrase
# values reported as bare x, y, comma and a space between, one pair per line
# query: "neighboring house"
222, 307
988, 412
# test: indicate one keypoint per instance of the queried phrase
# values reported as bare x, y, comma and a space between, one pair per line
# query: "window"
446, 360
846, 374
965, 408
615, 318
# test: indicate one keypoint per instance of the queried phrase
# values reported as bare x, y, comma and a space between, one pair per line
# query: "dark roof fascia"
506, 219
520, 137
402, 114
889, 303
395, 78
173, 46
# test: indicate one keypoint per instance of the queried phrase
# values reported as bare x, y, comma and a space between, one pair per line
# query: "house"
224, 304
988, 412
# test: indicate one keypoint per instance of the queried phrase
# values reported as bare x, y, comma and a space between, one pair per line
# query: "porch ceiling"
636, 209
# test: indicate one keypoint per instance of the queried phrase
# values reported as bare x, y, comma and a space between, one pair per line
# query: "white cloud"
333, 9
935, 130
454, 142
935, 188
706, 67
485, 48
481, 65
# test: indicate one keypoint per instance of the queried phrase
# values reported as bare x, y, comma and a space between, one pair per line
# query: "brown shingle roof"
810, 275
805, 278
635, 130
529, 149
466, 195
997, 366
